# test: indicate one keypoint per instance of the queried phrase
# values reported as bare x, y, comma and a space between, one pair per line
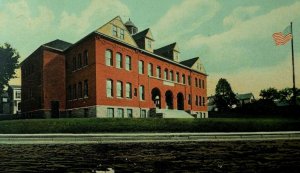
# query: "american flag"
281, 38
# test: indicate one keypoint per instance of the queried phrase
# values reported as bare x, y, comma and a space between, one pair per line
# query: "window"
177, 77
122, 34
141, 67
150, 69
196, 82
128, 91
203, 101
183, 79
166, 74
108, 58
197, 100
114, 31
69, 92
149, 44
79, 65
189, 99
200, 83
189, 80
129, 113
110, 112
18, 94
200, 101
119, 60
79, 90
143, 113
85, 89
109, 88
142, 92
128, 62
158, 72
120, 113
74, 91
119, 89
85, 58
74, 64
171, 76
203, 86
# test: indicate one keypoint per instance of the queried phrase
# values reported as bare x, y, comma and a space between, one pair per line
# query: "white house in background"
245, 98
14, 95
11, 98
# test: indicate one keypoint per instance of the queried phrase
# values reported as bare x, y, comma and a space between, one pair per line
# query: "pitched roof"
165, 48
141, 34
58, 44
244, 96
189, 62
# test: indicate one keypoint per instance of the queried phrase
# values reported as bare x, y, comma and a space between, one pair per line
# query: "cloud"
96, 12
247, 45
185, 17
239, 15
20, 25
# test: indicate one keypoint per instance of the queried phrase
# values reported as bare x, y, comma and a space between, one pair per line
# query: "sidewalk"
143, 137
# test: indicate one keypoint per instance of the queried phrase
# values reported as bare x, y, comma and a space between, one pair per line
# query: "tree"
286, 94
224, 98
8, 63
269, 94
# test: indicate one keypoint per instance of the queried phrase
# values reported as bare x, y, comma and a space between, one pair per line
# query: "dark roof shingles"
58, 44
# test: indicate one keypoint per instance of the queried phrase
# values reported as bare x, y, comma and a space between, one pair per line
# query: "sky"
233, 38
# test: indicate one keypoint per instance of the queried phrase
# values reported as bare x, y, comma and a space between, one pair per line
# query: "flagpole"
293, 64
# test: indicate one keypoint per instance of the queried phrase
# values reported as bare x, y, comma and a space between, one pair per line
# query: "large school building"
114, 71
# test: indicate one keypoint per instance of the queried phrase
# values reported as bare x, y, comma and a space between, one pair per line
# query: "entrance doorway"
54, 109
155, 93
180, 101
169, 99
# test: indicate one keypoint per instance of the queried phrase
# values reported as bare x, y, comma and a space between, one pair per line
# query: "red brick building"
112, 72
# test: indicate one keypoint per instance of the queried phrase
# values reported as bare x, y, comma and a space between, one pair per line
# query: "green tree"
224, 98
269, 94
8, 63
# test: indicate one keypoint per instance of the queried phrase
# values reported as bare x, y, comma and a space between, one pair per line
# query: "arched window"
80, 90
119, 61
109, 88
85, 58
108, 57
141, 67
142, 92
171, 76
128, 62
183, 78
166, 74
150, 69
119, 89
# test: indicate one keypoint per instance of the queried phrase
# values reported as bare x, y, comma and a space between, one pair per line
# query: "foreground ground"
96, 125
230, 156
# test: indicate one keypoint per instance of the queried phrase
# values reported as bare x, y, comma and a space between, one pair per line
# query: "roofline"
147, 52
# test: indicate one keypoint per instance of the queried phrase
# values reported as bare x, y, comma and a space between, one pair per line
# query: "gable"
198, 66
149, 35
176, 48
117, 22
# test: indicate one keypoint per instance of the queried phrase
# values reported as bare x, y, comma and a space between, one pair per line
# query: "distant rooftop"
58, 44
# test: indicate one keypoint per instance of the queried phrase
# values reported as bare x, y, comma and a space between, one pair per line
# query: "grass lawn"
97, 125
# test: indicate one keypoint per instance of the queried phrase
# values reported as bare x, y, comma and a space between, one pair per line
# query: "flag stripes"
281, 39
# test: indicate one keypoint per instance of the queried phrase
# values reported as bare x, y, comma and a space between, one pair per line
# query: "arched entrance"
155, 93
180, 101
169, 99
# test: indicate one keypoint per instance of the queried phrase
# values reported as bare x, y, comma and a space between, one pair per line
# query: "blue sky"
232, 37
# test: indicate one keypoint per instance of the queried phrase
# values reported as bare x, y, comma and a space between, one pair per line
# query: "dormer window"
118, 32
114, 31
149, 44
122, 34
